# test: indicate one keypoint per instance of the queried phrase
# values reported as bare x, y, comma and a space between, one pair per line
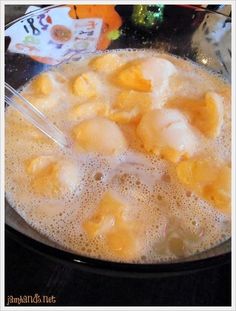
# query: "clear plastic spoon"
35, 117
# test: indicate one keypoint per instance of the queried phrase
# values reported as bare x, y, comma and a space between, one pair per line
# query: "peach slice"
50, 177
209, 180
144, 75
42, 84
89, 109
85, 85
106, 63
205, 114
108, 221
130, 76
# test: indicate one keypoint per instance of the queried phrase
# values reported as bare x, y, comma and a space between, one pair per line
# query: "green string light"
148, 16
114, 34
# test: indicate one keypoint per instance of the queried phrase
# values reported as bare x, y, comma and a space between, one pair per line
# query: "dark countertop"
28, 273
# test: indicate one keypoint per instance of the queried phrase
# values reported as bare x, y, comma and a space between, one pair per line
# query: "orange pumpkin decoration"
111, 19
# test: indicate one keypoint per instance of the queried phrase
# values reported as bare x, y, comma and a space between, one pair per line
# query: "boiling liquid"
174, 222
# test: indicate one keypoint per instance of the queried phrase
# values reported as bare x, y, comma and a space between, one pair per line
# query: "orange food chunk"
42, 85
89, 109
206, 115
173, 155
219, 191
130, 76
109, 207
124, 117
51, 178
106, 63
214, 113
127, 100
122, 242
130, 105
208, 180
46, 182
108, 221
85, 85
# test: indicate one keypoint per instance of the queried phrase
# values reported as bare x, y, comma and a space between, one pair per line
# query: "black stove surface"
29, 273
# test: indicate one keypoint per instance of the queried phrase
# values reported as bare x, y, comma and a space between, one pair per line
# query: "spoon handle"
34, 116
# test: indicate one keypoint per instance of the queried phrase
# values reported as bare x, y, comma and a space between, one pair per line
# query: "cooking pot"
191, 32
